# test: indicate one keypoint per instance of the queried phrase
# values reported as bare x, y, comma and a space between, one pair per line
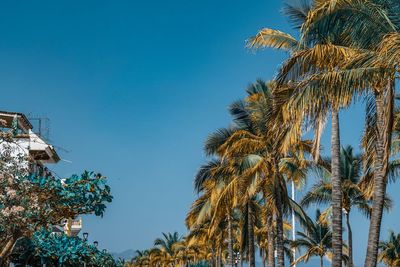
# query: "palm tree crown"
316, 241
390, 250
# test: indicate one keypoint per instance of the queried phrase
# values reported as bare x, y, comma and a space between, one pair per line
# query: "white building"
37, 150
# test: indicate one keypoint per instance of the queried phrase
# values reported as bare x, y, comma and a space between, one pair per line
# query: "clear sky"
132, 89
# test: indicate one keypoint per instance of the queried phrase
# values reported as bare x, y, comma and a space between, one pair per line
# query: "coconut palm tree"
305, 60
316, 241
372, 27
164, 249
352, 193
254, 158
251, 213
141, 259
243, 197
210, 181
198, 236
390, 250
260, 147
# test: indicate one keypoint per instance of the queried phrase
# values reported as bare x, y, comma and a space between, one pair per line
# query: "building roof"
39, 149
8, 117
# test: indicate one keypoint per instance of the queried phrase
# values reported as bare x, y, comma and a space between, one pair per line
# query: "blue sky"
133, 88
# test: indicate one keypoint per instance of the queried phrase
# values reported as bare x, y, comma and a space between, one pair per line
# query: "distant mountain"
126, 255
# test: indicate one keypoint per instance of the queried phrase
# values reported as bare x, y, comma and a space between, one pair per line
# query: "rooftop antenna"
41, 125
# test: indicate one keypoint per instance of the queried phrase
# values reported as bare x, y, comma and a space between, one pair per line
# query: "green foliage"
81, 194
35, 201
59, 249
30, 202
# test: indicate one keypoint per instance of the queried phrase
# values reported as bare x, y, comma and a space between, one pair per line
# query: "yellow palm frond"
274, 39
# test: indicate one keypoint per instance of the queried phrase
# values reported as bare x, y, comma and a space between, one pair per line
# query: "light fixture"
96, 244
85, 236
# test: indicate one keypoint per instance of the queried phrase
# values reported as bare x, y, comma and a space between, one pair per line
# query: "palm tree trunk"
350, 239
321, 262
384, 124
270, 239
5, 251
336, 192
263, 257
230, 241
279, 229
250, 229
219, 256
213, 257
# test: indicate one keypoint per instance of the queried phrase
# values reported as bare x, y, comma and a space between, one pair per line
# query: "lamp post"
237, 258
293, 224
96, 243
85, 238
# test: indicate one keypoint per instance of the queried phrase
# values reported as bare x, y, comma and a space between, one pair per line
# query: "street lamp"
96, 244
237, 258
293, 224
85, 238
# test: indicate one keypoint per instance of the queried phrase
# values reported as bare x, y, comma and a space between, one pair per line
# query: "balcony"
73, 227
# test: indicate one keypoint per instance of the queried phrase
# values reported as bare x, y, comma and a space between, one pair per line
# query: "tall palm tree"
198, 236
141, 259
211, 180
254, 161
316, 241
244, 194
260, 146
305, 60
251, 211
372, 27
352, 193
165, 247
390, 250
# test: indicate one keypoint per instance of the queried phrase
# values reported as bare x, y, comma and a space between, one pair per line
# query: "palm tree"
371, 27
260, 144
352, 193
305, 60
198, 236
246, 182
243, 196
251, 211
317, 241
141, 259
390, 250
165, 247
211, 181
252, 160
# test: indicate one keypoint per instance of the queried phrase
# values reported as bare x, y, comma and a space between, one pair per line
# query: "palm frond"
269, 38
